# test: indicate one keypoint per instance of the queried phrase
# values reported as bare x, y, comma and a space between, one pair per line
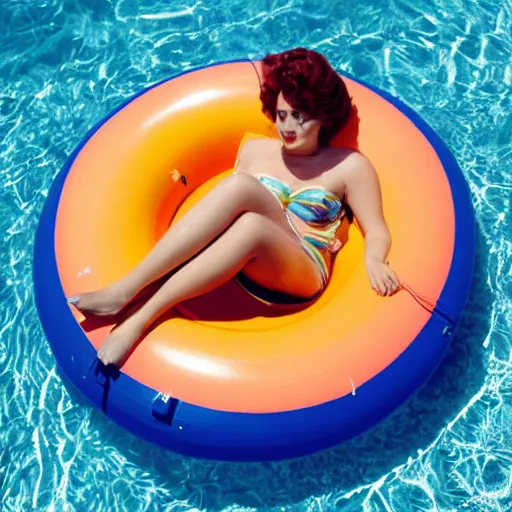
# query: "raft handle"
164, 407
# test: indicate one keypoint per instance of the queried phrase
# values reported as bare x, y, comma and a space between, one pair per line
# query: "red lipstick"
288, 138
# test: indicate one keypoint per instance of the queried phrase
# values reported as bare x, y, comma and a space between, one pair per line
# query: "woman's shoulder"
342, 153
357, 172
254, 148
254, 144
350, 160
347, 165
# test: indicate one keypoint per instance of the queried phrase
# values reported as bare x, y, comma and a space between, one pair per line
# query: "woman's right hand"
382, 278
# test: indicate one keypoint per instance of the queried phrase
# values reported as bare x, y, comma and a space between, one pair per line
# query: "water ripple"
65, 64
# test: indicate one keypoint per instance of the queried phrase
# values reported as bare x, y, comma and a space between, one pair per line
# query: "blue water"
65, 64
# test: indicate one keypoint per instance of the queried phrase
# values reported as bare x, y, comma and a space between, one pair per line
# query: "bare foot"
120, 341
107, 301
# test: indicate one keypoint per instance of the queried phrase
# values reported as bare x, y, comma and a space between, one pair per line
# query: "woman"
240, 229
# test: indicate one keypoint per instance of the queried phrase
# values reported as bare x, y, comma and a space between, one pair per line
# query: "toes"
105, 355
105, 359
109, 360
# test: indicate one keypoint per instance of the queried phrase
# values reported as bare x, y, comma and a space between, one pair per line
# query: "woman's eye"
298, 116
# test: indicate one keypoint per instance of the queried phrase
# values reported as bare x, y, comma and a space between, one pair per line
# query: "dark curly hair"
308, 83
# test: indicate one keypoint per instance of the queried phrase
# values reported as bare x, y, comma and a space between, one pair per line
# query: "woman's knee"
254, 229
276, 253
245, 190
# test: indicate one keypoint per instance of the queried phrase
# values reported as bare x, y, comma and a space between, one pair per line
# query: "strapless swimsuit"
321, 210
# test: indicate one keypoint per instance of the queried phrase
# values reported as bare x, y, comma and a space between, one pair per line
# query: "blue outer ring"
206, 433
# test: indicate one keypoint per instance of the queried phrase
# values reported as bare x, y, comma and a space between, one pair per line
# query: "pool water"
65, 64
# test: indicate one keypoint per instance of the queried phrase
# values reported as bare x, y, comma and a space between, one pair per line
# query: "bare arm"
365, 198
246, 153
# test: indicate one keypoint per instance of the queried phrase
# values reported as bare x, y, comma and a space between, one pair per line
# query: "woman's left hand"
382, 279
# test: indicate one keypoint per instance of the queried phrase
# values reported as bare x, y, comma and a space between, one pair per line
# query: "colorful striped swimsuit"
322, 211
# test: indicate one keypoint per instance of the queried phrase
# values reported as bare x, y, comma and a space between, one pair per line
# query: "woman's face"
296, 129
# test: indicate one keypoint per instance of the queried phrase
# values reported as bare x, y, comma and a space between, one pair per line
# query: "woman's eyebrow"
294, 111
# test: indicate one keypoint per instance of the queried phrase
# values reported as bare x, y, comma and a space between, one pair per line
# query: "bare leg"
232, 197
253, 240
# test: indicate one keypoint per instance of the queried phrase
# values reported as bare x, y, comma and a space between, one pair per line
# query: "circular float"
225, 376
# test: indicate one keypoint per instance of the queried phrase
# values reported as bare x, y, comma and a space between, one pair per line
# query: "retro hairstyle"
308, 83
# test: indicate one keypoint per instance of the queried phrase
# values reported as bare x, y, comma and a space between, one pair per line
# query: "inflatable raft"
225, 376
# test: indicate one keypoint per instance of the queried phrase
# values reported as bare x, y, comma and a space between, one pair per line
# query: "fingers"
385, 285
392, 283
377, 285
382, 279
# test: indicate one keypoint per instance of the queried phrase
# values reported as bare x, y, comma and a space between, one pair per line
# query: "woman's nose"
288, 124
